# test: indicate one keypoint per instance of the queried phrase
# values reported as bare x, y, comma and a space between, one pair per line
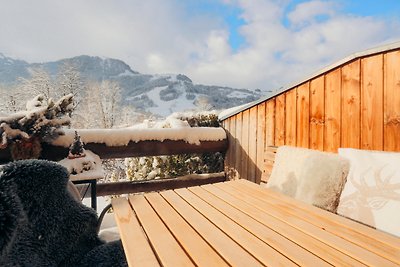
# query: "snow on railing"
121, 137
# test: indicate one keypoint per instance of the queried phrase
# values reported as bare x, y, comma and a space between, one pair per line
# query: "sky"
254, 44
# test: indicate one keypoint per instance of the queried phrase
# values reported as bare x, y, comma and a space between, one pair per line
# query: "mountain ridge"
160, 94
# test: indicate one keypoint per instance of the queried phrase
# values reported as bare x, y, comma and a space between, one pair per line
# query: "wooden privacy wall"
354, 105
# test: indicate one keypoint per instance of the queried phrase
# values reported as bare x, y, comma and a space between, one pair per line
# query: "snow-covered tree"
76, 149
69, 81
40, 122
39, 83
101, 105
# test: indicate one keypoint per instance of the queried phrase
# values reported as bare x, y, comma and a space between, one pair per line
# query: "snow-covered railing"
122, 143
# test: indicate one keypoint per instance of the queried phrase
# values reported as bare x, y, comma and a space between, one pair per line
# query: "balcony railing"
110, 146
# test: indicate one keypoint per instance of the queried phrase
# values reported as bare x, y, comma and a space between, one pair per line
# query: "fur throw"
42, 225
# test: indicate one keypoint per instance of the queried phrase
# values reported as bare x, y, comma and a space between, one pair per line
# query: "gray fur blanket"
42, 225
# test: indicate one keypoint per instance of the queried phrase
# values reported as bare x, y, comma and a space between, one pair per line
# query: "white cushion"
312, 176
372, 192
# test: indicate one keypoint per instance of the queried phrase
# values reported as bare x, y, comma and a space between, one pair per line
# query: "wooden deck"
239, 223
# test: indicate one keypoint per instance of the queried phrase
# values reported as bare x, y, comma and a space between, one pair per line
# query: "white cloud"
156, 36
308, 11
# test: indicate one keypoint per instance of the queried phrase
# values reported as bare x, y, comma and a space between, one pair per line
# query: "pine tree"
76, 149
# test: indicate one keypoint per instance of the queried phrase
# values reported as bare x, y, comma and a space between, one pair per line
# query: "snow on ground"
238, 94
164, 108
126, 73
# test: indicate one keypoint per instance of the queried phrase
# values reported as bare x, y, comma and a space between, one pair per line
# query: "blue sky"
255, 44
231, 15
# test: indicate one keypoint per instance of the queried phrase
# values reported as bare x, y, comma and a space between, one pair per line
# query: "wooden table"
239, 223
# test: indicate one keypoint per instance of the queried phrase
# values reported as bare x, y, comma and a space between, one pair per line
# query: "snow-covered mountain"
159, 94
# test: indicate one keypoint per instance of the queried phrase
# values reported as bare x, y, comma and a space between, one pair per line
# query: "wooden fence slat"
231, 151
245, 144
226, 124
280, 120
260, 140
290, 118
350, 133
252, 145
332, 110
238, 148
303, 115
317, 119
392, 102
372, 102
270, 123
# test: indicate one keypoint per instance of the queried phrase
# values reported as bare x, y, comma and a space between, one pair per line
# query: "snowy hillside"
157, 94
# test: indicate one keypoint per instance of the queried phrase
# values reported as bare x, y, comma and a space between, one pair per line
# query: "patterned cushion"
372, 192
308, 175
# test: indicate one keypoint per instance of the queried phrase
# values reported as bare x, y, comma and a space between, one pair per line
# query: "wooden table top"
239, 223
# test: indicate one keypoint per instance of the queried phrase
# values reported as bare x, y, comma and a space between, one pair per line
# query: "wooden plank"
372, 102
194, 245
238, 147
260, 140
392, 102
315, 246
252, 162
350, 133
317, 113
231, 172
286, 247
332, 110
347, 247
137, 249
269, 160
115, 188
290, 118
270, 123
225, 246
264, 253
303, 115
226, 125
280, 120
329, 222
245, 144
162, 241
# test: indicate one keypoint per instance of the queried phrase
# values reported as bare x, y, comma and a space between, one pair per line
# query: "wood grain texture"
161, 239
234, 254
270, 123
240, 235
246, 204
351, 245
232, 149
252, 162
226, 125
332, 110
238, 146
280, 122
303, 115
372, 102
392, 102
245, 144
350, 131
290, 118
193, 244
137, 249
317, 115
291, 250
261, 121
